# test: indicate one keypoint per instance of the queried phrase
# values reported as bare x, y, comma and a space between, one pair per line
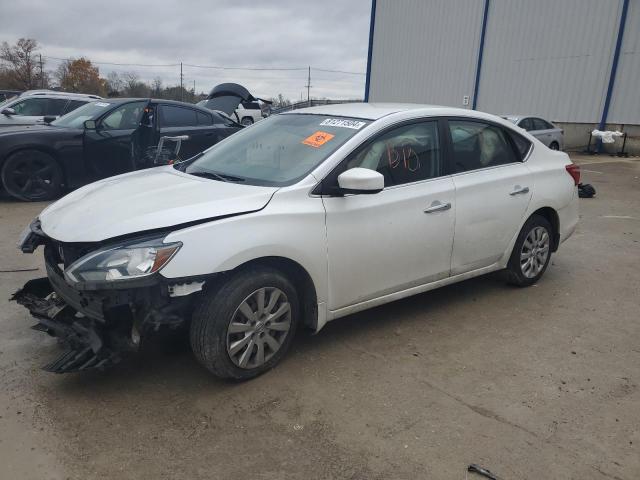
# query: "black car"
101, 139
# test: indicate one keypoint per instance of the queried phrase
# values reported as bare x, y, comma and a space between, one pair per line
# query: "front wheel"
531, 252
32, 175
245, 327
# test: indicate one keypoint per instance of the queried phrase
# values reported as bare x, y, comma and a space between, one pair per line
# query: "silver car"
546, 132
33, 106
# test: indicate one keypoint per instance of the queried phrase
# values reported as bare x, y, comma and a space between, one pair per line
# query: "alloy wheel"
33, 177
258, 327
535, 252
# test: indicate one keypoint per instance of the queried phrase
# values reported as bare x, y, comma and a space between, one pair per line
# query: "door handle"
519, 190
438, 207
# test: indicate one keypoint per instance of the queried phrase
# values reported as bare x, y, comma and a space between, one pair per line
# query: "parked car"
7, 95
34, 106
99, 140
303, 218
246, 112
546, 132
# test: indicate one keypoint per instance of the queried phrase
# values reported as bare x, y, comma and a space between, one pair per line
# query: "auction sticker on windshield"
101, 104
341, 122
317, 139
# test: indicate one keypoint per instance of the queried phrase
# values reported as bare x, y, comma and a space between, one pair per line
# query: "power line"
214, 67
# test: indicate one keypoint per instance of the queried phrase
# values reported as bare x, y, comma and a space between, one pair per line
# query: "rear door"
493, 188
545, 132
177, 120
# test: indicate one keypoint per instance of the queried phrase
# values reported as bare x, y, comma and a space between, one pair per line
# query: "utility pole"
41, 72
181, 87
309, 87
194, 90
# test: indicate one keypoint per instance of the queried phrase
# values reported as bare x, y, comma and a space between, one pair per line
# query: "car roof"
375, 111
55, 94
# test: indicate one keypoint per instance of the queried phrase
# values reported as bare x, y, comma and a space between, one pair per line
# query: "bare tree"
23, 70
156, 87
115, 84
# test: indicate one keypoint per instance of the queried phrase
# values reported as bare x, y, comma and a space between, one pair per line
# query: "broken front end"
102, 300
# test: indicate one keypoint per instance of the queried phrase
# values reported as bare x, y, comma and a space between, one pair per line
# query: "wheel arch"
552, 217
301, 280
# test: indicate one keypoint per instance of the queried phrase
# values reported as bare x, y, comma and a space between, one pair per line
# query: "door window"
527, 124
479, 145
403, 155
539, 124
73, 104
125, 117
55, 106
34, 107
204, 119
173, 116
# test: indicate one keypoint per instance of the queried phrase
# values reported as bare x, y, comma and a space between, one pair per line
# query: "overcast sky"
328, 34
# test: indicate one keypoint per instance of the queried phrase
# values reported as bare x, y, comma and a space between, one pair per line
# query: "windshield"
278, 151
76, 119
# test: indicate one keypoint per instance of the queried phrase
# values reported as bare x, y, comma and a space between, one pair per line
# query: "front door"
401, 237
109, 149
493, 189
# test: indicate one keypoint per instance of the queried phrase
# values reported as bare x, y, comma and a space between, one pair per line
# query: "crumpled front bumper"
87, 344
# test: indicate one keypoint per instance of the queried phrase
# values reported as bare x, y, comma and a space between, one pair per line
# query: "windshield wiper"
216, 176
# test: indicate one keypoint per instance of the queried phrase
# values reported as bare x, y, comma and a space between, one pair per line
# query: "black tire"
246, 121
217, 309
515, 272
32, 175
554, 146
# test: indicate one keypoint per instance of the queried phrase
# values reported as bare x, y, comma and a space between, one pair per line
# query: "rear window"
173, 116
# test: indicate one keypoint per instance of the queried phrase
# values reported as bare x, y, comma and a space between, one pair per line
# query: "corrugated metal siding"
548, 57
625, 102
425, 52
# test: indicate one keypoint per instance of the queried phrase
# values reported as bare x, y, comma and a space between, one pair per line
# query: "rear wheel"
244, 327
32, 175
531, 253
246, 121
554, 146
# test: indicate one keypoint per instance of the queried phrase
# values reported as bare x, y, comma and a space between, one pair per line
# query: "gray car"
546, 132
33, 106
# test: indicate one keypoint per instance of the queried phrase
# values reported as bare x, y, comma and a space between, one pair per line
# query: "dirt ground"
537, 383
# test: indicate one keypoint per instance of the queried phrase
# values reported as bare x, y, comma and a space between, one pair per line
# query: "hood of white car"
146, 200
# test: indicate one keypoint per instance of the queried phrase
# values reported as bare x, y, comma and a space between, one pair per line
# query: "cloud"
332, 34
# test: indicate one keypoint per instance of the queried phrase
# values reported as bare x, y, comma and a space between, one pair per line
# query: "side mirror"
361, 180
89, 124
49, 118
8, 111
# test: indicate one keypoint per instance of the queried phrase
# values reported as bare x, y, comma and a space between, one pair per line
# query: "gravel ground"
531, 383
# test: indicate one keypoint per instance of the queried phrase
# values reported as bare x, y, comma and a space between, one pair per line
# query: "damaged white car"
301, 219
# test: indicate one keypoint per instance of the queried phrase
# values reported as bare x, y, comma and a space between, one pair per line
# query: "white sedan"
302, 219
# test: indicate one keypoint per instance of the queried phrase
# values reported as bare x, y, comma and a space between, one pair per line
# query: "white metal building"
576, 62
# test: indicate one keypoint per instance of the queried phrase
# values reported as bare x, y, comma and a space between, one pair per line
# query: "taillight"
574, 171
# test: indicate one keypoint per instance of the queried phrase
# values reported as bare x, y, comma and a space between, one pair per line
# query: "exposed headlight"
122, 262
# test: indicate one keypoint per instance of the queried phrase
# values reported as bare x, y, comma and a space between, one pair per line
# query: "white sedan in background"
546, 132
302, 219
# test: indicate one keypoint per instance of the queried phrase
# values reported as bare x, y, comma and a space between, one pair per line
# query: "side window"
403, 155
204, 118
125, 117
173, 116
35, 107
73, 104
539, 124
56, 106
522, 144
479, 145
221, 120
527, 124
